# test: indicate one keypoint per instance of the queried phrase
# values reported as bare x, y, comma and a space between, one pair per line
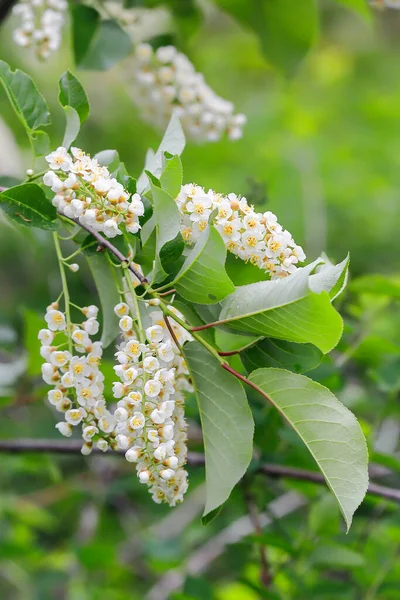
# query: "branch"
195, 459
106, 244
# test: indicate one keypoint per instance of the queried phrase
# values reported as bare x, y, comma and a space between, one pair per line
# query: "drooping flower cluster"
86, 191
254, 237
151, 427
76, 376
166, 81
41, 26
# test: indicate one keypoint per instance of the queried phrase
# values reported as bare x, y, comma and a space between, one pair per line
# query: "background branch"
19, 446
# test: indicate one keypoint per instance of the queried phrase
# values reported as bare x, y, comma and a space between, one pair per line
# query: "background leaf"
226, 421
85, 22
109, 45
72, 94
72, 128
329, 430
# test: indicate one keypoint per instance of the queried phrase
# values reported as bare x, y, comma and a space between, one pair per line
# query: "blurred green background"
322, 150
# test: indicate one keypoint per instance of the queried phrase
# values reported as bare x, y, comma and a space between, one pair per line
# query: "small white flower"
102, 445
55, 396
121, 414
144, 476
59, 159
55, 320
166, 352
111, 228
74, 267
121, 309
75, 415
106, 423
137, 421
80, 337
87, 448
152, 388
155, 333
118, 389
59, 359
64, 428
88, 432
46, 337
150, 364
123, 441
167, 474
126, 323
91, 326
133, 454
91, 311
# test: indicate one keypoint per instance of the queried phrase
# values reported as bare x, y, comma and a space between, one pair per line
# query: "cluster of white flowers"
76, 376
41, 27
150, 426
254, 237
166, 81
86, 191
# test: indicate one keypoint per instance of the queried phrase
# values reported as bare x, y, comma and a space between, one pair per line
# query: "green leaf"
172, 175
28, 104
172, 142
202, 278
168, 236
109, 45
330, 278
329, 430
103, 275
72, 127
242, 273
85, 22
72, 94
286, 28
285, 309
336, 556
226, 421
27, 205
298, 358
108, 158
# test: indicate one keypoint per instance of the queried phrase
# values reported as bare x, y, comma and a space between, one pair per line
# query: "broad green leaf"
242, 273
72, 128
168, 236
172, 142
103, 275
380, 285
286, 28
27, 205
85, 22
329, 430
330, 278
171, 177
72, 94
270, 352
226, 421
202, 278
336, 556
27, 102
29, 105
109, 45
285, 309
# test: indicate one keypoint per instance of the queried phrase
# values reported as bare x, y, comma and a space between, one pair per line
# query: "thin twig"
168, 293
106, 244
172, 332
194, 459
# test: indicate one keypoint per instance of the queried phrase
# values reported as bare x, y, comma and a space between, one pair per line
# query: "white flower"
126, 323
46, 337
55, 320
152, 388
59, 359
91, 311
136, 206
88, 432
59, 159
55, 396
106, 423
137, 421
111, 228
75, 415
91, 326
102, 445
64, 428
155, 333
166, 352
118, 389
150, 364
144, 476
78, 368
121, 309
80, 337
123, 441
87, 448
133, 454
74, 267
172, 462
121, 414
133, 349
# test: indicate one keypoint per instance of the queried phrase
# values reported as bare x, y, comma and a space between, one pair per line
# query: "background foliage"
320, 149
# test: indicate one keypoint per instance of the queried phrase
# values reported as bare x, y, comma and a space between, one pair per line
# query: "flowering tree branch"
195, 459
